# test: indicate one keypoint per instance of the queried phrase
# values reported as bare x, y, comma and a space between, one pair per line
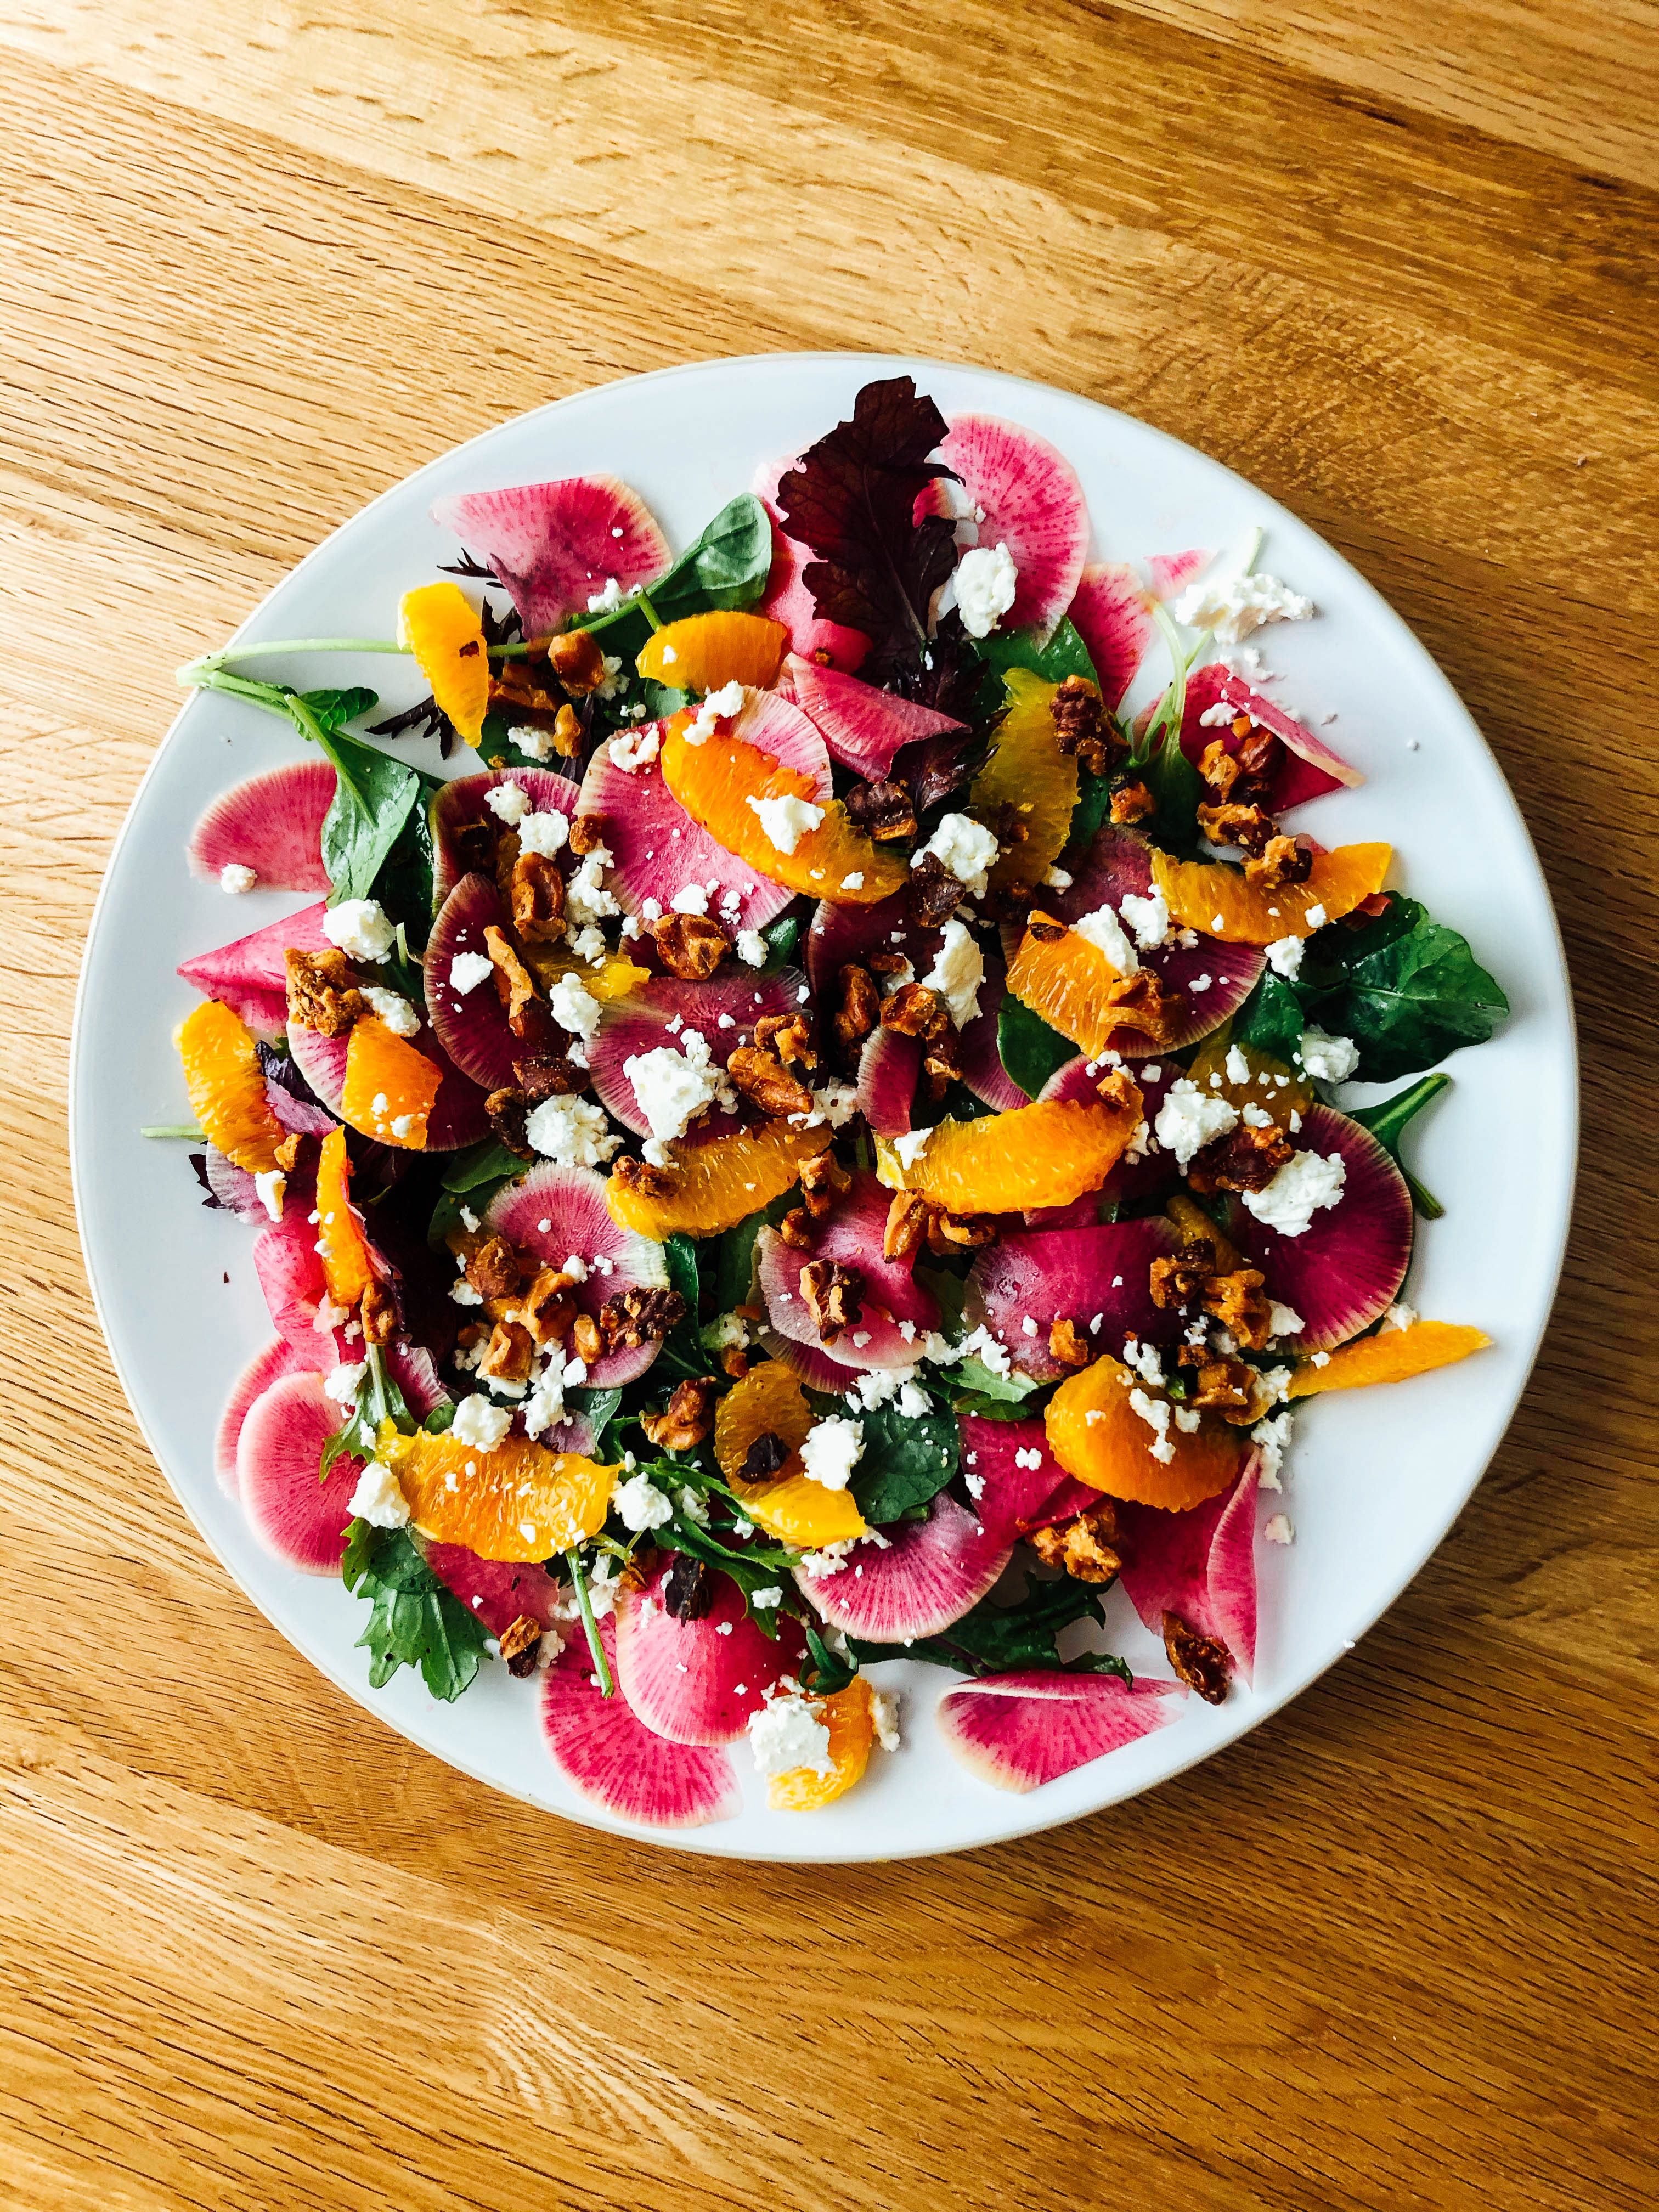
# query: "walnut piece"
549, 1306
797, 1230
833, 1297
1220, 1384
1082, 725
538, 899
639, 1317
950, 1233
688, 1587
587, 833
1142, 1003
933, 894
380, 1315
883, 810
688, 1419
1240, 1303
1067, 1346
1281, 860
577, 659
906, 1225
1131, 801
549, 1075
1044, 928
765, 1081
789, 1036
515, 987
1202, 1661
823, 1181
914, 1010
494, 1270
1244, 1159
640, 1175
507, 1111
858, 1005
521, 1646
321, 995
690, 945
586, 1339
511, 1351
1084, 1546
1177, 1282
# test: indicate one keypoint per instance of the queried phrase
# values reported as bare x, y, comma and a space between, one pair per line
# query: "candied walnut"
888, 963
1243, 773
906, 1225
1231, 825
734, 1363
521, 1646
1067, 1346
764, 1080
1131, 801
549, 1306
823, 1181
587, 834
1225, 1385
517, 691
1177, 1283
1007, 823
640, 1175
494, 1270
506, 1112
538, 899
767, 1456
1084, 1546
688, 1587
1240, 1303
637, 1317
941, 1061
933, 893
959, 1232
1044, 928
1140, 1002
585, 1338
1281, 860
797, 1230
858, 1007
688, 1419
789, 1036
833, 1297
1202, 1661
549, 1075
380, 1314
1244, 1159
515, 987
883, 810
1119, 1092
286, 1154
474, 846
512, 1350
690, 945
577, 659
1083, 726
321, 995
914, 1010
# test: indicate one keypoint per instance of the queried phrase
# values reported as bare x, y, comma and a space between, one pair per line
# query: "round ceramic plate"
1376, 1478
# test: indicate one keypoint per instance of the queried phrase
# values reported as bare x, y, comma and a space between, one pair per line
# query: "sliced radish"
983, 1070
889, 1065
249, 976
1199, 1564
498, 1590
698, 1681
1018, 1731
1013, 1477
1032, 503
609, 1756
291, 1276
556, 1212
1080, 1274
926, 1575
1171, 573
234, 1188
1344, 1270
472, 1026
814, 1365
465, 799
661, 1012
278, 1359
657, 849
301, 1520
272, 824
787, 598
1306, 770
458, 1115
556, 546
863, 726
414, 1370
1110, 614
853, 1236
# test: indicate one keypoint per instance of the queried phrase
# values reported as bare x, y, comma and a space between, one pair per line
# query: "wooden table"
1386, 259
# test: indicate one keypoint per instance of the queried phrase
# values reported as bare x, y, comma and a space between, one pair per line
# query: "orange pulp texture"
1220, 901
340, 1245
705, 652
790, 1505
389, 1086
718, 1184
1043, 1155
519, 1501
1028, 772
1110, 1451
1065, 981
1393, 1356
441, 626
226, 1088
849, 1717
1295, 1095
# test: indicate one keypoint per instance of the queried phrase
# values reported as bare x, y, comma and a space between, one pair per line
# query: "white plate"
1376, 1478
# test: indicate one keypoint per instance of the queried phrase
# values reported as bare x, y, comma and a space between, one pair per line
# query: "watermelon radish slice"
1344, 1270
657, 847
787, 598
472, 1026
1032, 503
250, 975
272, 824
1018, 1731
299, 1520
814, 1365
641, 1023
698, 1681
853, 1236
458, 1115
555, 1212
1075, 1275
412, 1368
930, 1573
291, 1276
234, 1187
1199, 1564
1171, 573
983, 1070
863, 726
1015, 1480
889, 1066
610, 1757
464, 800
502, 1589
555, 546
1306, 770
278, 1359
1109, 613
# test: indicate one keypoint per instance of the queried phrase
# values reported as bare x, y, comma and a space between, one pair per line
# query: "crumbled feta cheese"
883, 1715
544, 1406
854, 882
958, 972
461, 1293
1155, 1412
1105, 932
1189, 1118
572, 1133
1148, 917
751, 948
509, 801
832, 1450
585, 900
378, 1498
1239, 1068
574, 1007
607, 601
1400, 1316
341, 1383
270, 1185
964, 847
636, 749
786, 820
1307, 1182
546, 835
467, 970
1317, 917
909, 1148
1028, 1326
1257, 1117
1278, 1530
393, 1009
361, 929
670, 1087
1284, 956
985, 582
478, 1425
786, 1735
640, 1505
1230, 607
1271, 1438
235, 877
1328, 1058
911, 1402
1283, 1321
690, 898
721, 704
1144, 1358
1057, 879
771, 1596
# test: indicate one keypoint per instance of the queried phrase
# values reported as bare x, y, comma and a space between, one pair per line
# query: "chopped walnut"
380, 1315
734, 1363
767, 1456
1131, 801
287, 1155
1201, 1662
1225, 1385
941, 1061
789, 1036
511, 1351
1177, 1283
906, 1225
883, 810
507, 1111
638, 1175
549, 1075
521, 1646
767, 1083
495, 1269
690, 945
1066, 1346
587, 833
517, 689
515, 985
688, 1587
586, 1339
538, 899
797, 1230
858, 1005
959, 1232
577, 659
1119, 1092
1233, 824
1281, 860
888, 963
1084, 1546
914, 1010
1142, 1003
833, 1297
1240, 1303
1083, 726
1044, 928
823, 1181
1244, 1159
320, 993
549, 1306
933, 894
687, 1419
639, 1317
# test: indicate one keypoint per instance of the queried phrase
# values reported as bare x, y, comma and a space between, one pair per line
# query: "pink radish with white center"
272, 824
610, 1757
890, 1065
1024, 1484
698, 1681
1306, 768
556, 1212
1111, 615
863, 727
472, 1025
1031, 502
250, 975
851, 1236
924, 1576
1018, 1731
1199, 1564
640, 1023
555, 546
465, 801
787, 599
298, 1518
291, 1276
279, 1358
1079, 1275
458, 1115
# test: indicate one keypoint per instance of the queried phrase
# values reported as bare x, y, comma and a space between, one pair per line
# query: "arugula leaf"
829, 1671
682, 1351
726, 566
1387, 1121
1064, 655
734, 1265
908, 1459
1030, 1050
601, 1408
472, 1178
416, 1621
373, 800
1000, 1639
1271, 1020
1407, 990
973, 1376
377, 1400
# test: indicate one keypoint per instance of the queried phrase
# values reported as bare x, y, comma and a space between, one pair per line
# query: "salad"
821, 1145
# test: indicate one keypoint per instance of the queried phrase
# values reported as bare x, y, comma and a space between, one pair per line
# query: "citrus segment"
1097, 1435
1222, 903
390, 1088
1028, 772
1193, 1224
1393, 1357
850, 1718
441, 626
1044, 1155
716, 1185
1265, 1082
616, 976
1065, 980
789, 1505
340, 1243
705, 652
519, 1501
227, 1088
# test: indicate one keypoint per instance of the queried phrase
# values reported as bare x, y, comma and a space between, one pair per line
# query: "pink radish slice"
1171, 573
862, 726
630, 1027
458, 1115
272, 824
278, 1359
657, 849
291, 1276
410, 1366
1110, 614
1033, 504
1199, 1564
1018, 1477
472, 1026
697, 1681
300, 1116
609, 1756
555, 546
555, 1212
787, 598
1344, 1270
853, 1236
1018, 1731
889, 1065
1072, 1274
464, 800
1306, 770
1118, 863
983, 1070
929, 1573
503, 1589
814, 1365
301, 1520
234, 1188
249, 976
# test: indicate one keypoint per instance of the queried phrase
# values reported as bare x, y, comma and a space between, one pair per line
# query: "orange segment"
715, 780
1065, 980
1029, 772
1096, 1435
789, 1504
704, 651
519, 1501
340, 1245
441, 626
1395, 1356
1043, 1155
227, 1089
1220, 902
614, 978
718, 1184
1280, 1099
851, 1722
1191, 1223
389, 1086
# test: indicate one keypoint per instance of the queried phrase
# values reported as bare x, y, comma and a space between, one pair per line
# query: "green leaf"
1000, 1639
1064, 655
333, 709
682, 1351
373, 800
972, 1374
1176, 786
1407, 990
908, 1459
472, 1178
1094, 804
404, 887
781, 936
1030, 1051
735, 1263
601, 1407
727, 566
1271, 1020
416, 1620
1387, 1121
441, 1418
829, 1671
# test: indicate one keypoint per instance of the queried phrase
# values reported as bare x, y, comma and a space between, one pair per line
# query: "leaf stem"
585, 1606
173, 1129
642, 601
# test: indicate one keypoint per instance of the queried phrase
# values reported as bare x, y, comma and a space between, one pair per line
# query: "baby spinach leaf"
1030, 1051
415, 1621
334, 710
1094, 804
734, 1265
1271, 1020
403, 882
783, 937
973, 1376
373, 798
908, 1458
472, 1178
1176, 786
1000, 1639
1406, 989
682, 1353
1064, 655
726, 566
1387, 1121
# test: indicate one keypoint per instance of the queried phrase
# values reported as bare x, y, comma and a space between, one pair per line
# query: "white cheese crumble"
1105, 932
478, 1425
1148, 917
393, 1009
1307, 1183
786, 820
545, 835
271, 1186
1237, 1067
640, 1505
724, 702
1190, 1118
378, 1498
1328, 1058
361, 929
1271, 1438
985, 583
670, 1087
341, 1383
785, 1735
1278, 1530
1283, 1321
574, 1007
572, 1133
636, 749
883, 1715
1317, 917
467, 970
964, 847
1230, 607
751, 948
508, 801
234, 876
1400, 1316
832, 1450
958, 972
909, 1148
854, 882
607, 601
585, 900
771, 1596
1155, 1412
1284, 956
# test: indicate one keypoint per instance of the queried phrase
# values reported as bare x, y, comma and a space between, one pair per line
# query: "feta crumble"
478, 1425
831, 1450
393, 1009
640, 1505
636, 749
1105, 932
361, 929
985, 583
1148, 917
269, 1187
1308, 1183
1190, 1118
1328, 1058
378, 1498
786, 1735
958, 972
572, 1133
234, 876
1284, 956
546, 835
467, 970
718, 705
672, 1087
786, 820
1230, 607
574, 1007
965, 848
509, 802
909, 1148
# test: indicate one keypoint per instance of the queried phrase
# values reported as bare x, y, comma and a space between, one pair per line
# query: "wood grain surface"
1393, 260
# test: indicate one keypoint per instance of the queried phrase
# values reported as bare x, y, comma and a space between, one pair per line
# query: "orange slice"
704, 651
1221, 902
1286, 1090
1096, 1435
1065, 980
519, 1501
1028, 772
1191, 1222
441, 626
389, 1086
1395, 1356
616, 976
715, 780
849, 1717
718, 1184
227, 1089
789, 1504
1044, 1155
340, 1245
